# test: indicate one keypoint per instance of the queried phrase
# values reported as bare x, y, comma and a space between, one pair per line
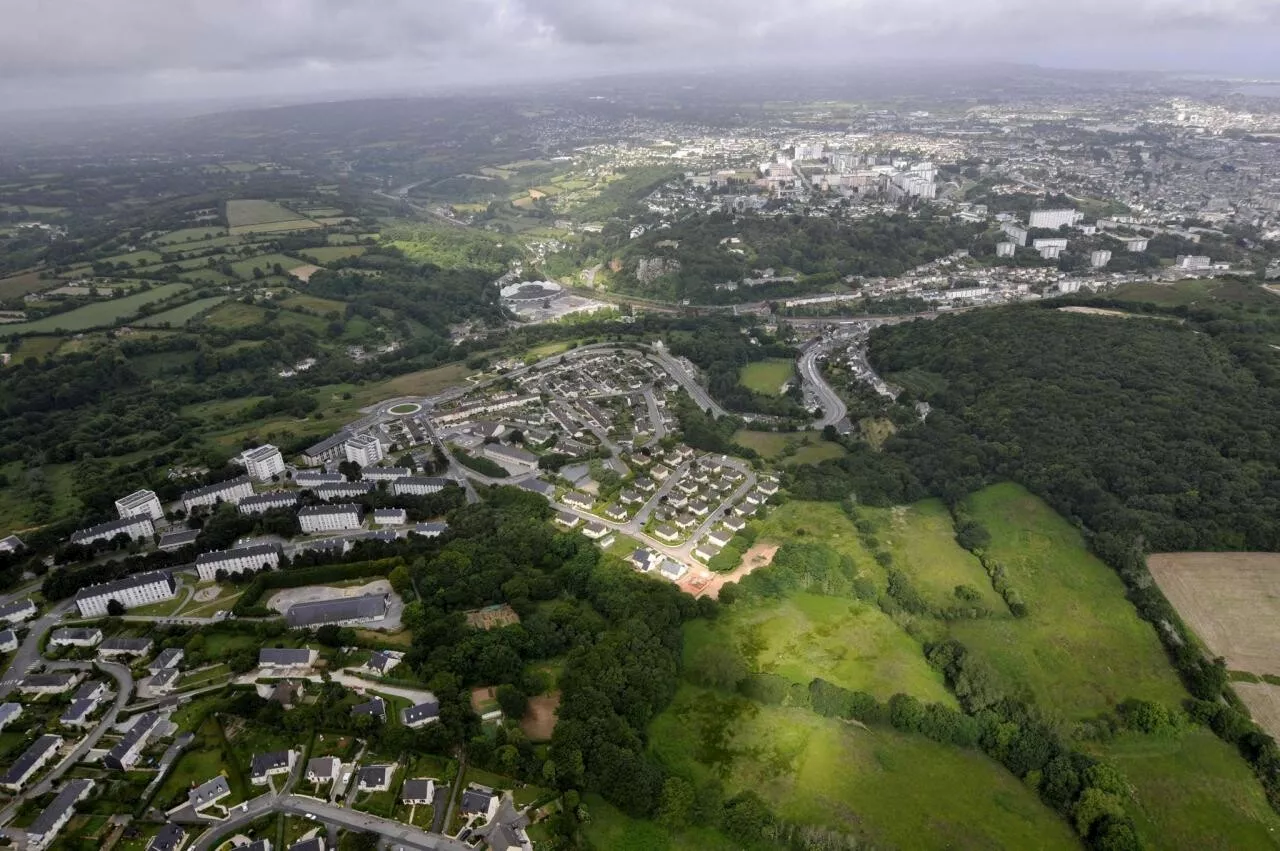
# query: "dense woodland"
820, 252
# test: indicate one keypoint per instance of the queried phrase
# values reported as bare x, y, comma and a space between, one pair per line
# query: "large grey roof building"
370, 607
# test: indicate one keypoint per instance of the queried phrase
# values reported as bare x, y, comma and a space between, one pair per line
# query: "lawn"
180, 316
1194, 792
1081, 649
99, 314
766, 377
805, 636
921, 539
896, 790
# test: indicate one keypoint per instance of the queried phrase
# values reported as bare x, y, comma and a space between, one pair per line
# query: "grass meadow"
99, 314
766, 377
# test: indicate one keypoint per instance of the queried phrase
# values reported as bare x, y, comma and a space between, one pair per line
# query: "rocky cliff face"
649, 269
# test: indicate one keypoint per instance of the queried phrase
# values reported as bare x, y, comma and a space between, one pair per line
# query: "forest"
820, 252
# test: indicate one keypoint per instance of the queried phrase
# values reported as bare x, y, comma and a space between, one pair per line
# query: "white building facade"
363, 449
142, 503
263, 462
139, 590
329, 518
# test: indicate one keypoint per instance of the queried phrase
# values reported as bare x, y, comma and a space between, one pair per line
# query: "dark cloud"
66, 50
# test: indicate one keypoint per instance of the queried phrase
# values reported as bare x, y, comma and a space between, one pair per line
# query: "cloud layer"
63, 49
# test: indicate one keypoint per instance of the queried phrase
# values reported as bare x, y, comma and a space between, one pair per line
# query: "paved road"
833, 407
297, 805
677, 371
28, 652
124, 690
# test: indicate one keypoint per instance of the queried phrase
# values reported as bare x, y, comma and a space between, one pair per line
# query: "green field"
265, 262
805, 447
766, 377
1193, 791
898, 790
180, 316
135, 258
314, 304
237, 314
191, 235
99, 314
329, 253
17, 286
1082, 649
805, 636
921, 538
610, 828
818, 522
257, 212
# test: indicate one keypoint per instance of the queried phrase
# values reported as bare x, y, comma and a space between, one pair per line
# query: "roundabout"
404, 409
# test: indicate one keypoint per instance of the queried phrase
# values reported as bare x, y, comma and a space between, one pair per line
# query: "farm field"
921, 538
1263, 702
181, 315
766, 377
313, 303
257, 212
1230, 600
1192, 791
898, 790
329, 253
806, 447
844, 641
100, 314
194, 236
276, 227
265, 262
17, 286
1082, 648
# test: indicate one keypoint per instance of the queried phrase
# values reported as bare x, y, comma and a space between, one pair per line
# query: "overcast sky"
66, 52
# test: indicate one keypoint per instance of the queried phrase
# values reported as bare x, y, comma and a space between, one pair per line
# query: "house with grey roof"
421, 715
17, 611
9, 712
164, 681
29, 762
375, 778
112, 647
54, 817
126, 752
286, 657
167, 659
342, 612
315, 843
176, 539
170, 838
374, 708
58, 682
418, 791
264, 766
75, 637
381, 662
208, 793
8, 640
11, 544
322, 770
430, 529
262, 503
479, 800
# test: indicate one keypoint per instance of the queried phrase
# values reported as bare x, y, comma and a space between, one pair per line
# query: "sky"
56, 53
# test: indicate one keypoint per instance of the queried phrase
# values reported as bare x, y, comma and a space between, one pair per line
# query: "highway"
833, 407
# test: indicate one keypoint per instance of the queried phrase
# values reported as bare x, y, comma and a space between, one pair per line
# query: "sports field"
1230, 600
766, 377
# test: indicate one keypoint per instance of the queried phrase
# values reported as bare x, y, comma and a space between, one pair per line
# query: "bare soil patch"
760, 555
304, 273
492, 617
539, 721
1231, 600
1263, 700
207, 595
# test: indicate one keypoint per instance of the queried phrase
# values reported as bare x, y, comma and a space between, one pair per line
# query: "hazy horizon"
103, 52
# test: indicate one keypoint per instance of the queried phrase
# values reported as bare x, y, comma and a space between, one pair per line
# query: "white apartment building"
237, 560
137, 528
1099, 259
329, 518
267, 502
138, 590
142, 503
263, 462
418, 485
1053, 219
1194, 262
232, 491
363, 449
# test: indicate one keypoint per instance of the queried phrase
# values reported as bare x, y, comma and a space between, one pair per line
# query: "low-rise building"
135, 528
579, 500
418, 792
9, 712
329, 518
143, 503
59, 682
315, 843
30, 762
54, 817
169, 658
385, 474
17, 611
238, 560
342, 612
176, 539
125, 754
76, 637
312, 478
375, 778
323, 770
163, 682
113, 647
382, 661
567, 520
208, 793
375, 707
11, 544
299, 659
264, 766
8, 640
390, 517
431, 529
141, 589
418, 485
479, 800
170, 838
233, 491
510, 456
342, 490
265, 502
421, 715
